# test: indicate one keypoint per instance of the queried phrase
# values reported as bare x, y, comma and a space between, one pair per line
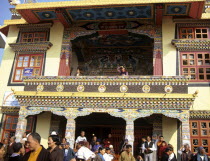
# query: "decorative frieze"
34, 27
31, 46
191, 44
105, 100
200, 114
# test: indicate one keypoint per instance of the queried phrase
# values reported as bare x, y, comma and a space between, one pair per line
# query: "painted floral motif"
146, 88
123, 88
102, 88
168, 89
60, 88
40, 88
80, 88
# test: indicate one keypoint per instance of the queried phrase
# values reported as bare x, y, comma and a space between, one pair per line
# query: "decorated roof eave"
87, 3
5, 28
107, 79
31, 46
10, 109
97, 95
199, 114
191, 44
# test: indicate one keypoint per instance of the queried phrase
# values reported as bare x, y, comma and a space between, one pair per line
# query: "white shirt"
85, 153
171, 156
108, 157
153, 146
80, 138
202, 157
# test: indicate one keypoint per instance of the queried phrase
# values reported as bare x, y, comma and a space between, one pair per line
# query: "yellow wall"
7, 62
169, 126
53, 54
43, 127
201, 102
169, 51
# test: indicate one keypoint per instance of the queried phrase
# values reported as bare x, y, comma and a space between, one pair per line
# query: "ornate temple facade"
163, 44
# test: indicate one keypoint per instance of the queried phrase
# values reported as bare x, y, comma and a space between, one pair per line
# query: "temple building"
163, 44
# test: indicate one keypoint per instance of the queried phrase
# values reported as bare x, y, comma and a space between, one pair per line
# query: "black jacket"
44, 155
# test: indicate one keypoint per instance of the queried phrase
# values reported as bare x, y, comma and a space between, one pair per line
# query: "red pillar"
158, 65
64, 67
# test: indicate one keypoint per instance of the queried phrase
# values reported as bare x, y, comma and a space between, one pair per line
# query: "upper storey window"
196, 65
33, 36
29, 64
194, 33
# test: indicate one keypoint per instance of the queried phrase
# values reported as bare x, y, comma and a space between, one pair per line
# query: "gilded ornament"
168, 89
102, 88
40, 88
60, 88
123, 88
80, 88
146, 88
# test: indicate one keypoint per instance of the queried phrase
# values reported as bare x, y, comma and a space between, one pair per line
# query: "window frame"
6, 132
194, 32
28, 66
21, 37
195, 66
200, 137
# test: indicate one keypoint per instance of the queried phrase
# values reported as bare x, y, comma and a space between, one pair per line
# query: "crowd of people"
150, 149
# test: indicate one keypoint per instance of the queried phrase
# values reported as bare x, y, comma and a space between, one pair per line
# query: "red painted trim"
62, 18
29, 16
196, 10
159, 14
158, 65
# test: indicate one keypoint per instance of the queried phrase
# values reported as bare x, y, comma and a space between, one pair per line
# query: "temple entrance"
101, 53
142, 128
100, 125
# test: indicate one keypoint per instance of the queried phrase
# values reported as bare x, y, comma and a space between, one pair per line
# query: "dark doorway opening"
100, 125
142, 128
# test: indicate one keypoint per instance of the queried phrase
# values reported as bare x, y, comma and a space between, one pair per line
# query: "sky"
4, 15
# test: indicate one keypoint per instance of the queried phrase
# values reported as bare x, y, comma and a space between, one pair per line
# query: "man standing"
81, 138
186, 154
127, 155
37, 152
148, 148
69, 154
10, 147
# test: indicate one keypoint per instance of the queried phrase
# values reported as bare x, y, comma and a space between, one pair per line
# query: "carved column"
21, 127
129, 133
186, 132
70, 131
157, 57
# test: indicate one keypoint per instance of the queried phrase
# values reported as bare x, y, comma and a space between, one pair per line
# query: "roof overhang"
69, 12
2, 40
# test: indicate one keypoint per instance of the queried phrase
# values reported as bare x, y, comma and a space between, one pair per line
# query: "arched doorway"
102, 124
102, 52
142, 128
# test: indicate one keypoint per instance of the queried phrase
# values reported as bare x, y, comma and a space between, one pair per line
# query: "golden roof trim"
96, 94
15, 22
86, 3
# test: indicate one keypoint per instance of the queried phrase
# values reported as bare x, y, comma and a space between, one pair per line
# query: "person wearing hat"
96, 146
201, 155
69, 154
